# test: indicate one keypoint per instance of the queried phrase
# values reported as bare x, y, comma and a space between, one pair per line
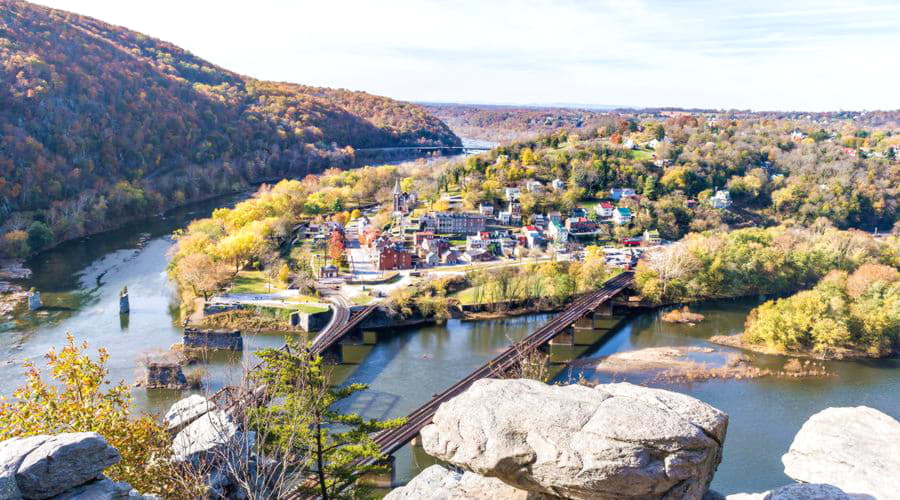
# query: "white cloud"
816, 55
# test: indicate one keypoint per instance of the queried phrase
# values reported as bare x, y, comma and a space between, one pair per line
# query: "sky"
747, 54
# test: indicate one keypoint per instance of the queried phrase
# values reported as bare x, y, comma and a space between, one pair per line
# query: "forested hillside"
511, 123
100, 123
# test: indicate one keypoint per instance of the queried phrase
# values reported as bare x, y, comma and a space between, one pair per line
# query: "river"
80, 282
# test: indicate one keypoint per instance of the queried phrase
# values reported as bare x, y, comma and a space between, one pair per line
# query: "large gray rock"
856, 449
186, 411
610, 441
213, 437
440, 483
12, 454
799, 491
103, 489
63, 462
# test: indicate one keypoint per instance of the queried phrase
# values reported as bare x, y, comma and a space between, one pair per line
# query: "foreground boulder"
440, 483
64, 466
186, 411
610, 441
213, 437
856, 449
795, 492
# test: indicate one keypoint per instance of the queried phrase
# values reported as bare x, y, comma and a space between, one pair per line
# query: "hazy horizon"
817, 56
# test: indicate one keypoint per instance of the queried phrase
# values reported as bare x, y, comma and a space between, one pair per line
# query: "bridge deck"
393, 439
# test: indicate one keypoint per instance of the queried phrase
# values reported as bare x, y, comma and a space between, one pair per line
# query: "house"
328, 271
554, 216
797, 136
622, 215
478, 241
450, 222
629, 144
420, 237
393, 257
558, 184
486, 209
722, 199
478, 256
436, 245
512, 193
604, 209
534, 186
532, 236
539, 220
557, 232
578, 212
580, 225
653, 144
690, 203
451, 257
619, 193
454, 201
652, 237
432, 259
512, 215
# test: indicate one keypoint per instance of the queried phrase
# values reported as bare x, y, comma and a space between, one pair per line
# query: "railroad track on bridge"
393, 439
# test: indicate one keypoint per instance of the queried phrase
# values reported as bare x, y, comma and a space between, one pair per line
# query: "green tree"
303, 424
39, 235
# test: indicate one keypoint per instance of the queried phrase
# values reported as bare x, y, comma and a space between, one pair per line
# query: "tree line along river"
80, 282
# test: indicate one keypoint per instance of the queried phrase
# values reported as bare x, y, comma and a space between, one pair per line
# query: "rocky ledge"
522, 439
64, 466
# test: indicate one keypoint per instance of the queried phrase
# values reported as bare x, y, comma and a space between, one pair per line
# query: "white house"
432, 259
534, 186
629, 144
604, 209
486, 209
622, 215
619, 193
653, 144
512, 193
558, 184
722, 199
557, 232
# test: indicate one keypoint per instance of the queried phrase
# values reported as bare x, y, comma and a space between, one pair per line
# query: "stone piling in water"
213, 339
123, 301
163, 375
34, 300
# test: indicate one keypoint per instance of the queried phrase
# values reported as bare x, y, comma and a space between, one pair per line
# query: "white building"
557, 232
512, 193
622, 216
722, 199
619, 193
534, 186
486, 209
558, 184
604, 209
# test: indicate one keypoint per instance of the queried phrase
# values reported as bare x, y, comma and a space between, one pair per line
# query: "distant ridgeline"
99, 123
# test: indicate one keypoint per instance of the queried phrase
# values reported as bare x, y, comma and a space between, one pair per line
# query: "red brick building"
392, 258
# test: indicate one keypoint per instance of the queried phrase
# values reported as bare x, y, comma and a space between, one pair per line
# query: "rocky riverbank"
836, 353
688, 364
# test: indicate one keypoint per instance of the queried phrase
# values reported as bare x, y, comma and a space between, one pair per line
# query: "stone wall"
213, 339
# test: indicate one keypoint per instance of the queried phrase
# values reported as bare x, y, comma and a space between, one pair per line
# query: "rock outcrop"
186, 411
213, 437
610, 441
440, 483
64, 466
856, 449
797, 491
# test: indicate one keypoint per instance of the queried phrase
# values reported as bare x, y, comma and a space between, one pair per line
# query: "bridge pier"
383, 479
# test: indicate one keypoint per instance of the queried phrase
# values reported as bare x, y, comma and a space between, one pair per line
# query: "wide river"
80, 282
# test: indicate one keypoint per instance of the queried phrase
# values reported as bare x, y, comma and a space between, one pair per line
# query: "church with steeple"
404, 202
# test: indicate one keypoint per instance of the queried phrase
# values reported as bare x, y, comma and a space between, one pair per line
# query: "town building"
539, 220
512, 193
580, 225
558, 184
512, 215
619, 193
722, 199
403, 202
604, 209
486, 209
554, 217
478, 256
622, 215
420, 237
532, 236
652, 237
452, 223
557, 232
393, 257
534, 186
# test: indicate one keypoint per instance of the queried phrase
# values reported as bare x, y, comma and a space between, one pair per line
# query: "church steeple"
397, 195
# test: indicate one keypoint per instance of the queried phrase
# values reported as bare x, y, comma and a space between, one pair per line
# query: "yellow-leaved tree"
80, 398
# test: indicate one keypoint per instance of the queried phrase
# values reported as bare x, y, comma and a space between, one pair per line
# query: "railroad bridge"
564, 337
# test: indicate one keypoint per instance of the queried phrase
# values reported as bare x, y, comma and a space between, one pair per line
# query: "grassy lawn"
466, 296
308, 309
304, 298
640, 154
254, 282
361, 299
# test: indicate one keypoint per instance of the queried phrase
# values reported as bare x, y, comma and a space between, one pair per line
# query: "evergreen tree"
303, 425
